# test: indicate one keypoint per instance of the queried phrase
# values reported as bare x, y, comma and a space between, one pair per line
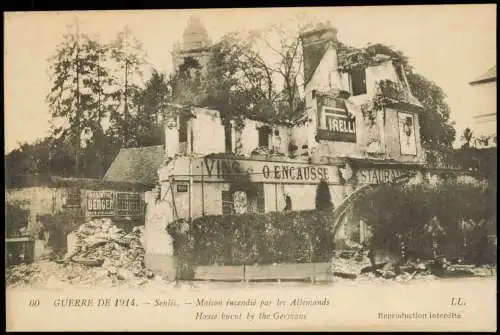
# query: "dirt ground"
51, 275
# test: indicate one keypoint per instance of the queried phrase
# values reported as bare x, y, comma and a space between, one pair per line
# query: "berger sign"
265, 171
100, 203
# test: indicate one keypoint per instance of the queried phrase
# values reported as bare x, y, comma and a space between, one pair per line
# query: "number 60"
34, 303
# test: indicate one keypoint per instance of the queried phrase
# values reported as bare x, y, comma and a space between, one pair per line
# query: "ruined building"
360, 126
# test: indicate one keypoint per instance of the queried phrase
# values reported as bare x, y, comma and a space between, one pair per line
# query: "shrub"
296, 237
15, 218
323, 197
404, 214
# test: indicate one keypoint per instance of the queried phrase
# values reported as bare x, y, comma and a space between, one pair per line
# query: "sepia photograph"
302, 168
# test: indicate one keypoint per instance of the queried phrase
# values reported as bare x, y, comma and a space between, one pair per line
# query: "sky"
449, 44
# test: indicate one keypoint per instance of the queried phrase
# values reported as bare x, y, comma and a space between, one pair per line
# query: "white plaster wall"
211, 203
300, 135
208, 132
157, 240
374, 73
392, 139
303, 196
284, 135
485, 96
250, 136
326, 76
171, 141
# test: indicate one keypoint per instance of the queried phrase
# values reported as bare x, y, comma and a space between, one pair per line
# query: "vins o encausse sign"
306, 173
262, 171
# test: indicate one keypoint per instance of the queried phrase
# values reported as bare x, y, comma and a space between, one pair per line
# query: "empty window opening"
228, 137
183, 128
358, 81
264, 133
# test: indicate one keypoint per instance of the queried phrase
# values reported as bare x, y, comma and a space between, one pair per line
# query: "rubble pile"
111, 252
359, 264
100, 243
21, 273
348, 264
99, 253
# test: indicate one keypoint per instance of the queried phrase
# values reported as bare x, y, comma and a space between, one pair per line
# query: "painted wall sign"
181, 188
378, 175
338, 128
265, 171
100, 203
112, 204
327, 101
128, 204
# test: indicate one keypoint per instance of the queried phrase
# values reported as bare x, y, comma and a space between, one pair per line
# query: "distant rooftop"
137, 165
488, 76
48, 180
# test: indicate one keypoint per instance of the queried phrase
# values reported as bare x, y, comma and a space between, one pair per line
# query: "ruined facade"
360, 126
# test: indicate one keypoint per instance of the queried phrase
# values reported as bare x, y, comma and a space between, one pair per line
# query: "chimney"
314, 45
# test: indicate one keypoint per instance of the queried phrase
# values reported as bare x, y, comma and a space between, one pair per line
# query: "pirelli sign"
339, 128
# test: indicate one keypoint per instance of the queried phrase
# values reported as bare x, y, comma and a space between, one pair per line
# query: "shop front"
204, 186
226, 186
229, 186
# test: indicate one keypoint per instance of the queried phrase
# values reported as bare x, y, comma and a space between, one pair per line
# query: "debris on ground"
99, 252
361, 264
100, 243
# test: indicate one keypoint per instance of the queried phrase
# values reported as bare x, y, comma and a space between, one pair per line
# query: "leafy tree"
48, 155
154, 96
93, 84
65, 98
224, 86
127, 58
98, 156
186, 83
17, 218
265, 71
435, 127
150, 102
323, 197
78, 99
467, 137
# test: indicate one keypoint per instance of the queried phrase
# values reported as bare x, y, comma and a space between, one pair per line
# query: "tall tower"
195, 44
